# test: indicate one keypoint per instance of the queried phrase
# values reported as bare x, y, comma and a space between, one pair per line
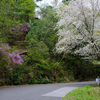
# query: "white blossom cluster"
79, 28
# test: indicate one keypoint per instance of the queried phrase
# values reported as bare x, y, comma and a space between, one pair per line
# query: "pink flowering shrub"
18, 33
5, 48
22, 28
16, 58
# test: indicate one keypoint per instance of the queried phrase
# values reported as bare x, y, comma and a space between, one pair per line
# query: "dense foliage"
27, 47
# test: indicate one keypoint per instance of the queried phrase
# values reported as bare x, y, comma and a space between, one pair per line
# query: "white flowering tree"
79, 28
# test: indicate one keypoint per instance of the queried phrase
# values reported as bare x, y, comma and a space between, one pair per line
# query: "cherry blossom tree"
79, 28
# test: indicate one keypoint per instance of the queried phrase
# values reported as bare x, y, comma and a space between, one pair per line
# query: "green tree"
6, 23
22, 10
43, 29
41, 41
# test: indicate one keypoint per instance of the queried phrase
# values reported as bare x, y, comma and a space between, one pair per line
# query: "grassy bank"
91, 92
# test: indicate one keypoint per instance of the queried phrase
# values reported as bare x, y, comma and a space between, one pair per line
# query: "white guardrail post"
98, 80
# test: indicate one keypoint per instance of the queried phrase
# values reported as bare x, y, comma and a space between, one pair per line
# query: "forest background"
27, 48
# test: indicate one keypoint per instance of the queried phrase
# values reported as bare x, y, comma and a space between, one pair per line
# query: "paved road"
40, 92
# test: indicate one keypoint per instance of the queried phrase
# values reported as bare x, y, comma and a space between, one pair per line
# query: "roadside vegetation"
91, 92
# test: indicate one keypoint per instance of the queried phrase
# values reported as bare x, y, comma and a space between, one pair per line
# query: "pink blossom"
5, 48
16, 58
11, 69
28, 25
22, 27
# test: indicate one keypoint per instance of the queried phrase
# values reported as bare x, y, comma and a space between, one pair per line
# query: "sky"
44, 2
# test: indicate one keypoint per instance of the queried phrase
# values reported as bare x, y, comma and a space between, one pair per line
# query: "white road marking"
60, 92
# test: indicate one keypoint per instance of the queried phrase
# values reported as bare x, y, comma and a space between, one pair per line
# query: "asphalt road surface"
40, 92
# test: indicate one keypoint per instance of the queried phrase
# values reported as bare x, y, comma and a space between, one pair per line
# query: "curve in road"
40, 92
